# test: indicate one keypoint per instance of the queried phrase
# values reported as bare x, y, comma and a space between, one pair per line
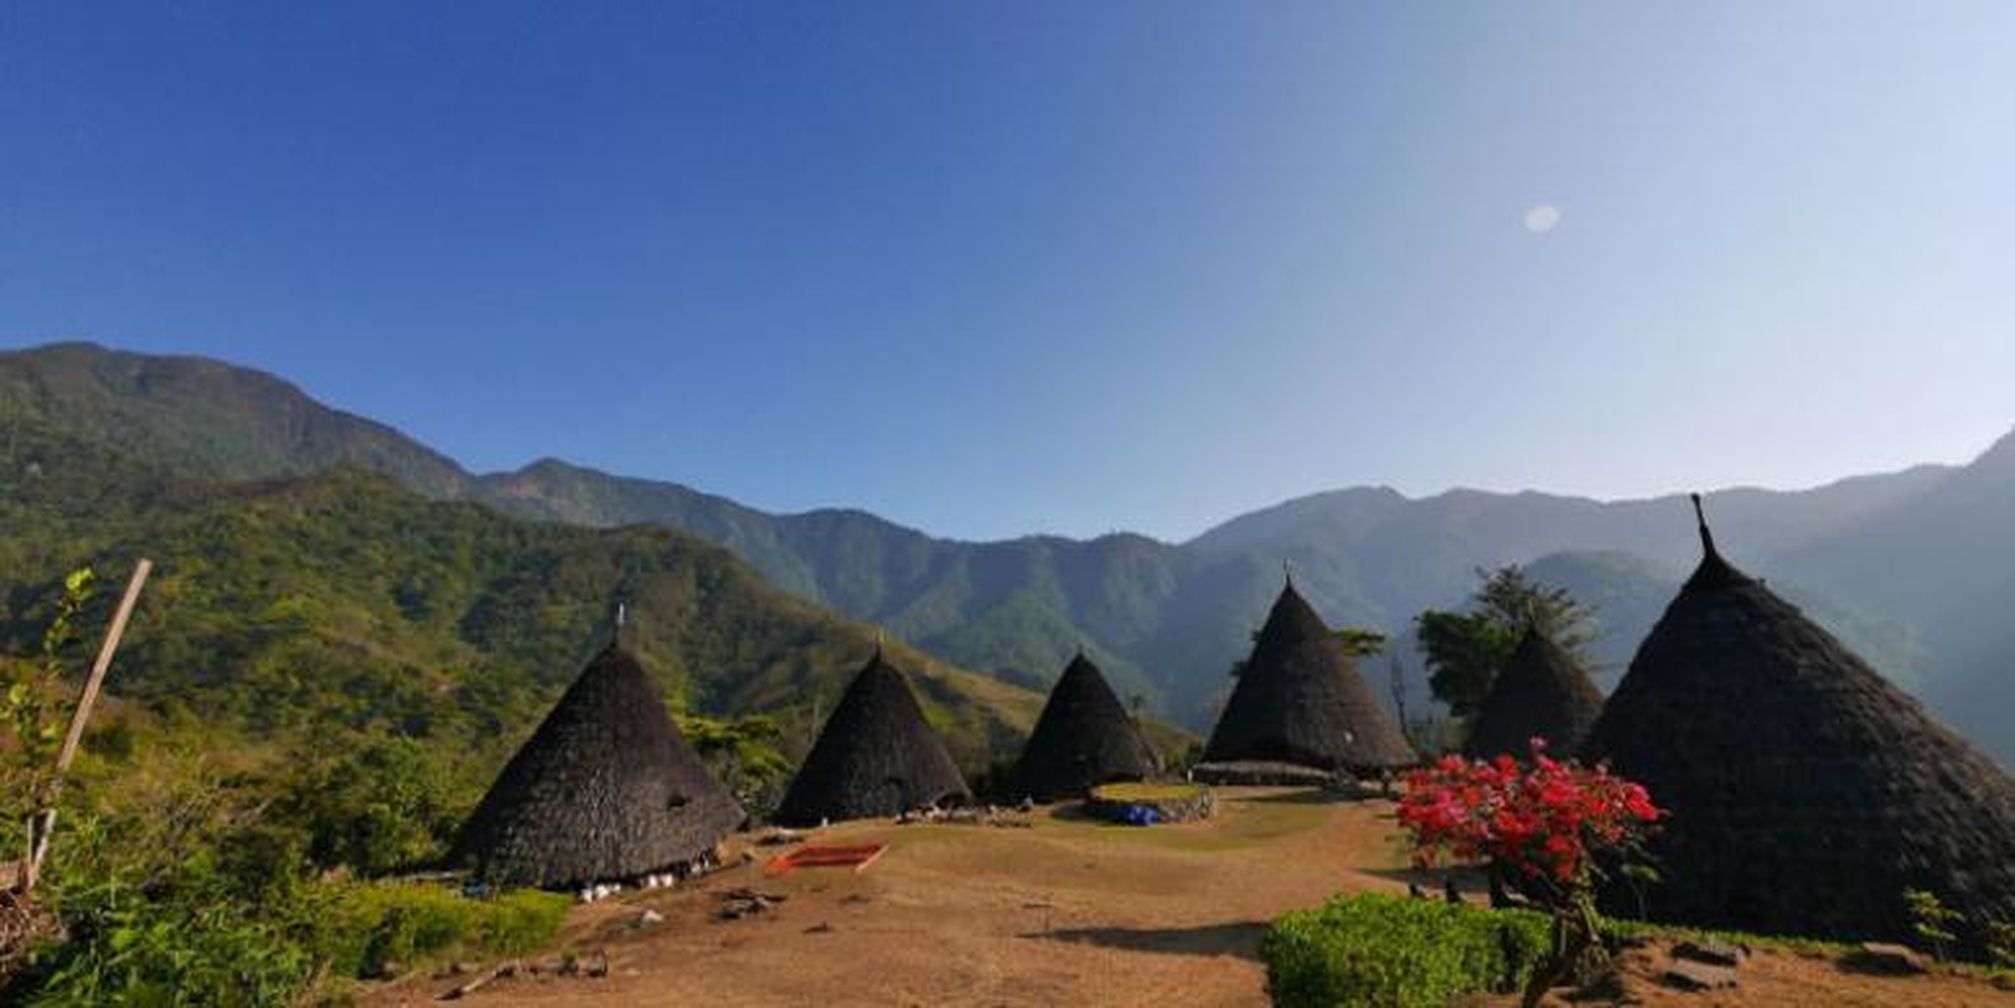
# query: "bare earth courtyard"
1068, 912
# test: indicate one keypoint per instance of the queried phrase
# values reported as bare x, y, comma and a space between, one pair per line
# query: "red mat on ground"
855, 856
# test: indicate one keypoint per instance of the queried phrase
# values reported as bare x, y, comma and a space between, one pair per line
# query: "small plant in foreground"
2000, 944
1931, 920
1540, 826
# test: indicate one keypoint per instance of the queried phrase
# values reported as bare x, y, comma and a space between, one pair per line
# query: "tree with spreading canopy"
1465, 649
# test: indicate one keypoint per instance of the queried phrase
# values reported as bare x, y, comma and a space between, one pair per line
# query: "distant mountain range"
1916, 569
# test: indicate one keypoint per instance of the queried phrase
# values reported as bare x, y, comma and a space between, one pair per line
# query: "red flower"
1545, 818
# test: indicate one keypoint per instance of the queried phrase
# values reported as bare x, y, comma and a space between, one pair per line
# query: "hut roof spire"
1713, 572
1706, 534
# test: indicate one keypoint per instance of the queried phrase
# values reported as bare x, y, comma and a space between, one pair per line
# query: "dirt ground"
1775, 977
1067, 912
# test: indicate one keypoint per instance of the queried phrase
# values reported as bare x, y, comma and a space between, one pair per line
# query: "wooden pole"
45, 818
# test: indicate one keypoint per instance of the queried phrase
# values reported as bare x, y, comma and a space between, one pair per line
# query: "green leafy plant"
30, 705
2000, 942
1931, 920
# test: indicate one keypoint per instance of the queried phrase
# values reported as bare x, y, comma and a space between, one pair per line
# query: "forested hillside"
343, 600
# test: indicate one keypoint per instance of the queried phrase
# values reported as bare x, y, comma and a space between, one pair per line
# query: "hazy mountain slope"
1411, 554
1945, 566
1019, 607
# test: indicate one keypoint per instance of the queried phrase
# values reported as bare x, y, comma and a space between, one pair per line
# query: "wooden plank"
104, 664
43, 823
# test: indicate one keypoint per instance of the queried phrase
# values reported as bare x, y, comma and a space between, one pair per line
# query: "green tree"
1518, 602
744, 754
385, 803
1464, 650
1361, 643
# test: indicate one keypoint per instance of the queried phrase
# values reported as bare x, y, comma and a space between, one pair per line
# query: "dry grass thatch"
606, 788
1301, 700
875, 756
23, 923
1807, 793
1083, 738
1542, 692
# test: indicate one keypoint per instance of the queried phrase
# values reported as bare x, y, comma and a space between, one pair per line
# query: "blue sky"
997, 268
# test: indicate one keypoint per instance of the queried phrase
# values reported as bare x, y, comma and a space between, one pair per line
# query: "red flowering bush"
1540, 826
1543, 819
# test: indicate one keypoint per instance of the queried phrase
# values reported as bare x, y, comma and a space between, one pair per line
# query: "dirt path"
1068, 912
1065, 913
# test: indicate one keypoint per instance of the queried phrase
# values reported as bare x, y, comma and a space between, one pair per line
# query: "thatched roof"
1807, 793
1301, 700
1083, 738
1541, 691
875, 756
605, 789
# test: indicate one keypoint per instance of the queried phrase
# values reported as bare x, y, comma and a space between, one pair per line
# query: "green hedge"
1393, 952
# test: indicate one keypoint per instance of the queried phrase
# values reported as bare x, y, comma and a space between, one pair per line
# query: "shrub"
1373, 949
181, 893
210, 951
384, 804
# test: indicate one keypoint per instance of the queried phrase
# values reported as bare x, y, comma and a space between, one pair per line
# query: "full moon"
1542, 218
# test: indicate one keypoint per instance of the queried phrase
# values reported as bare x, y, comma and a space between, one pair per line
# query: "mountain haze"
1911, 567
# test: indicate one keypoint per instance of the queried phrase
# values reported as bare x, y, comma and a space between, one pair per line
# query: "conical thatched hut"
1542, 691
1806, 792
1083, 738
1300, 700
606, 789
875, 756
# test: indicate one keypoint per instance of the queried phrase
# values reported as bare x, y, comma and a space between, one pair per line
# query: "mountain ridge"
1166, 619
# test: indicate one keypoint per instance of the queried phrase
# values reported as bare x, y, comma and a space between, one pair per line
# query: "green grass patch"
1614, 928
1228, 830
370, 927
1374, 949
1147, 792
